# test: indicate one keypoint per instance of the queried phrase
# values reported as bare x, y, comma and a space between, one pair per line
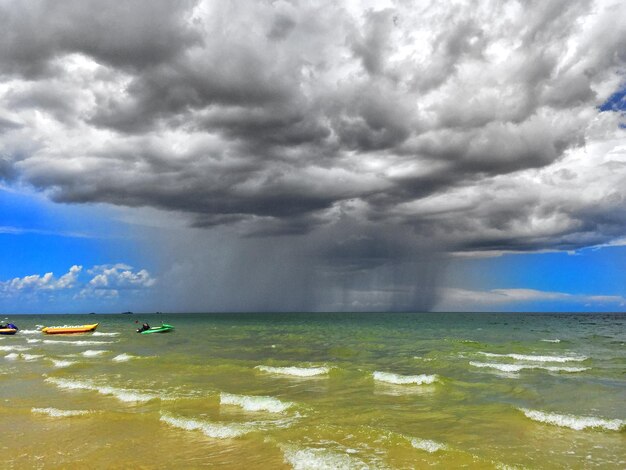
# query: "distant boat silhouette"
127, 313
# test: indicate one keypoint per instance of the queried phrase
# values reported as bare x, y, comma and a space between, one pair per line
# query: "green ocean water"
302, 390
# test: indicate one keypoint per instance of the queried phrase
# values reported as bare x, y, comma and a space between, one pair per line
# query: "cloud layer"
467, 127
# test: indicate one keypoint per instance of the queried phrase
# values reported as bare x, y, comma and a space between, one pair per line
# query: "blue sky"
349, 156
38, 236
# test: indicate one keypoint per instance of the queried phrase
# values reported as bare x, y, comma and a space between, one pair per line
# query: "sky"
200, 156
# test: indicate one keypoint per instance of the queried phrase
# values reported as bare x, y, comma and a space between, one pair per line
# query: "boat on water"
61, 330
8, 329
164, 328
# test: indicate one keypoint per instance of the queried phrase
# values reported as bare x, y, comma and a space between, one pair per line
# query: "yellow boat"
61, 330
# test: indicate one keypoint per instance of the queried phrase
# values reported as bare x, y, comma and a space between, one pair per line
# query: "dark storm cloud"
285, 118
134, 34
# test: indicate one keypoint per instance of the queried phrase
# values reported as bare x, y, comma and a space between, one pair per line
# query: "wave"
306, 458
56, 413
77, 343
213, 430
14, 348
556, 340
124, 357
255, 403
577, 423
397, 379
25, 357
519, 367
60, 364
427, 445
535, 358
31, 357
30, 332
33, 340
121, 394
295, 371
94, 352
99, 333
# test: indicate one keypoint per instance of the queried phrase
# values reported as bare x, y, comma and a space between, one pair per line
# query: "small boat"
61, 330
164, 328
8, 331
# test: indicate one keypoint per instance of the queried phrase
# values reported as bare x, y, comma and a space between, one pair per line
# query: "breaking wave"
398, 379
519, 367
305, 458
14, 348
94, 352
536, 358
255, 403
577, 423
30, 332
427, 445
56, 413
99, 333
295, 371
556, 340
121, 394
76, 343
60, 363
124, 357
213, 430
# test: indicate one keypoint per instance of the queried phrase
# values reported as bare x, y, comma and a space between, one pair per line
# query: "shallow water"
317, 391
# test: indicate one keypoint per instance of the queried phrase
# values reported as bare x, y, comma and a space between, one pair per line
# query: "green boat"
164, 328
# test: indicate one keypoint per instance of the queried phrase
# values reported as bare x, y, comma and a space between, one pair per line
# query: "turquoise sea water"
301, 390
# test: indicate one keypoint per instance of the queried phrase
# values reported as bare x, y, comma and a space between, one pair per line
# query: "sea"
316, 391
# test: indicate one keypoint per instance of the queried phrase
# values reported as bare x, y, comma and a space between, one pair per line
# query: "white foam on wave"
23, 356
14, 348
519, 367
213, 430
255, 403
31, 357
556, 340
124, 357
30, 332
94, 352
60, 363
427, 445
307, 458
577, 423
100, 333
295, 371
56, 413
76, 343
537, 358
121, 394
397, 379
33, 340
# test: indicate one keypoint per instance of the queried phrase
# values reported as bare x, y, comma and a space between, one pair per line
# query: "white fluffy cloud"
119, 276
111, 278
36, 282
